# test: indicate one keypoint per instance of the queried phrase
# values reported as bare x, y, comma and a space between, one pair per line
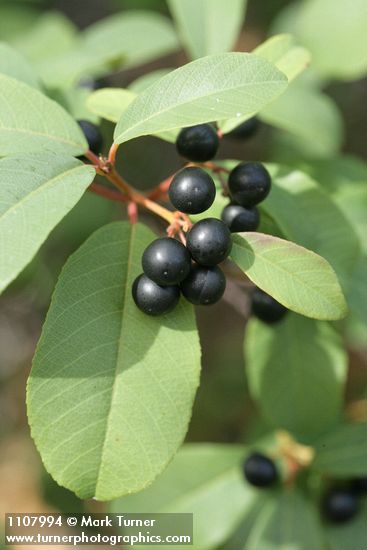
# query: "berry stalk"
177, 220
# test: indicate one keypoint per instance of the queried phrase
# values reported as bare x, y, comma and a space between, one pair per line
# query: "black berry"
266, 308
166, 261
340, 505
359, 484
204, 285
209, 241
91, 84
249, 183
192, 190
93, 135
238, 218
198, 143
246, 130
152, 298
260, 471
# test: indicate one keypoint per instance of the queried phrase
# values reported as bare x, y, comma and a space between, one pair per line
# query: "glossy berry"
93, 135
238, 218
266, 308
246, 130
209, 242
198, 143
340, 505
192, 190
249, 183
204, 285
166, 261
153, 299
260, 471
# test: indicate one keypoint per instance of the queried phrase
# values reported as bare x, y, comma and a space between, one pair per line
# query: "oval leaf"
215, 87
343, 452
208, 26
111, 389
30, 121
36, 193
203, 480
296, 277
314, 364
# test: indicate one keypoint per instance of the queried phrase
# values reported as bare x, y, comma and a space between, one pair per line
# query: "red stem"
132, 212
107, 193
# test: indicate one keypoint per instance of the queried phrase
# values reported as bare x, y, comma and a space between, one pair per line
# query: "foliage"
111, 391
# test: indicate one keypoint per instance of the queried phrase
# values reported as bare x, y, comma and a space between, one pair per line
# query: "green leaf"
285, 54
143, 82
30, 121
53, 34
335, 33
298, 205
215, 87
205, 480
340, 537
357, 294
127, 39
287, 363
239, 537
111, 389
208, 26
36, 193
345, 179
74, 101
110, 103
15, 65
289, 58
287, 522
342, 452
320, 125
296, 277
139, 36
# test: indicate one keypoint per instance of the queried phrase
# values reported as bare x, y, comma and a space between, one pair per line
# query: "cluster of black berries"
249, 183
339, 504
170, 267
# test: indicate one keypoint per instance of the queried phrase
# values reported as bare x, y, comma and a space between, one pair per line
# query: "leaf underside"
111, 389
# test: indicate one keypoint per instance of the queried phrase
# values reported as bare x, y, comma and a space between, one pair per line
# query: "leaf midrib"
51, 137
172, 107
39, 189
302, 283
114, 385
